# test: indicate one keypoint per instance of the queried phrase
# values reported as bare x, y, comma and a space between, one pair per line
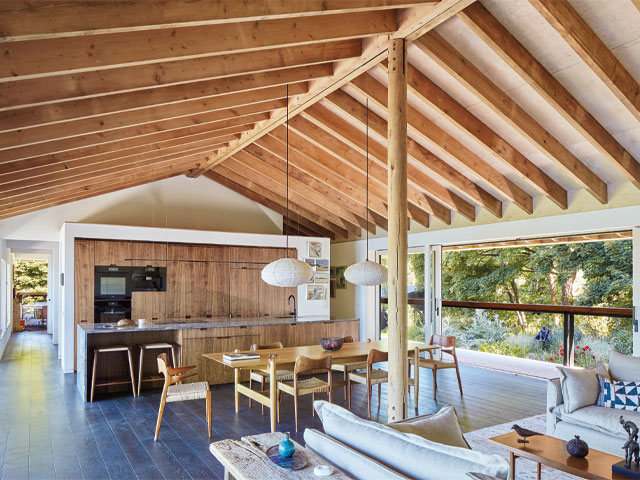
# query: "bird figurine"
524, 433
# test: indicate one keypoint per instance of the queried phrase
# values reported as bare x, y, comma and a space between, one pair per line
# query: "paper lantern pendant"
366, 273
287, 272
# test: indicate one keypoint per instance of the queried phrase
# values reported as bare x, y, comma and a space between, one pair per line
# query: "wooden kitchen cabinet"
148, 305
84, 286
112, 252
273, 300
244, 282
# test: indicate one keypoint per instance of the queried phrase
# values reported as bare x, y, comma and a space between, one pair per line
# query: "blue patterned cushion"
620, 395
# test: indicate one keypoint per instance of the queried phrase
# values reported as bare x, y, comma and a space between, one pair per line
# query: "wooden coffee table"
552, 452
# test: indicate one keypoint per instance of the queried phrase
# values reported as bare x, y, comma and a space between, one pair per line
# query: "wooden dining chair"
370, 377
179, 393
345, 368
309, 385
262, 376
447, 346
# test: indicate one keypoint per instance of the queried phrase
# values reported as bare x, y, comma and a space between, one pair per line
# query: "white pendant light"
287, 272
366, 273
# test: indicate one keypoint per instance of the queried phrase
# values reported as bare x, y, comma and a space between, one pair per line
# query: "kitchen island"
196, 336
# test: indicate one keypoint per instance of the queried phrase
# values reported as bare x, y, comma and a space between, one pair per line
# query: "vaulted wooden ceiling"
100, 96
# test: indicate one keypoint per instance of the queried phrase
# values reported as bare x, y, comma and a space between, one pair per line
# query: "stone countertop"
215, 322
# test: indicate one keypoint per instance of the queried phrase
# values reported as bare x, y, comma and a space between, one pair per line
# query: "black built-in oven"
112, 294
111, 311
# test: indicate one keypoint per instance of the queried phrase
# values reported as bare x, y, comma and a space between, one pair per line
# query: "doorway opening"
30, 293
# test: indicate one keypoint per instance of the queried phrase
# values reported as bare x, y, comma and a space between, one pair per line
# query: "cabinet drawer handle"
154, 318
328, 323
244, 326
83, 321
224, 338
187, 316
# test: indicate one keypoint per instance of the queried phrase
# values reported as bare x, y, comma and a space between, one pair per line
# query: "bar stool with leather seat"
306, 386
371, 376
153, 346
447, 346
262, 376
180, 393
108, 382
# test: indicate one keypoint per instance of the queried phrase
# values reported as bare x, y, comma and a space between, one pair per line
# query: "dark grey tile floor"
46, 431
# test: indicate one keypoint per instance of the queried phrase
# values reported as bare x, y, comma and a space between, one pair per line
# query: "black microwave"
112, 282
149, 279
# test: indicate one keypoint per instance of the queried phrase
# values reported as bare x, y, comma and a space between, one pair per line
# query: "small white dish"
322, 471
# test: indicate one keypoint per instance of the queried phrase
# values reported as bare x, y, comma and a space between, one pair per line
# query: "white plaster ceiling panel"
596, 98
533, 32
595, 161
469, 45
440, 77
630, 139
629, 56
552, 169
615, 22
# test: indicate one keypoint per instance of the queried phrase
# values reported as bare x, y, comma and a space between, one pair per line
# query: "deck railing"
568, 313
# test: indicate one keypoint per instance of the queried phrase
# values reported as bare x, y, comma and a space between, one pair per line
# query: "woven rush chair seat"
377, 376
350, 367
259, 375
187, 391
306, 386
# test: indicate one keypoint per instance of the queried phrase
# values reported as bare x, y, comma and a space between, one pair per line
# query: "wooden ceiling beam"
227, 106
424, 157
113, 140
51, 19
577, 33
59, 181
317, 192
411, 23
140, 77
277, 186
324, 128
300, 228
73, 184
207, 140
494, 34
446, 145
108, 50
462, 118
313, 138
18, 118
267, 162
231, 179
476, 82
347, 181
94, 155
269, 202
87, 191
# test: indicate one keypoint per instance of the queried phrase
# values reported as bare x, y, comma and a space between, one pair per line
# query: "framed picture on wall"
316, 292
314, 249
322, 265
321, 277
341, 282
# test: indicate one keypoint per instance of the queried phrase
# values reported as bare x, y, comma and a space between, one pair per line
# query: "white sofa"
369, 450
598, 426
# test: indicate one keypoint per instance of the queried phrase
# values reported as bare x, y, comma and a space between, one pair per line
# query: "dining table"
275, 359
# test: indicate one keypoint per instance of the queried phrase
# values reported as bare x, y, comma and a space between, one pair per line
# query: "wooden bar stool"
153, 346
108, 349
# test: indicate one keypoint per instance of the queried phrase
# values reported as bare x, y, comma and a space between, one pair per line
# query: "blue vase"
286, 448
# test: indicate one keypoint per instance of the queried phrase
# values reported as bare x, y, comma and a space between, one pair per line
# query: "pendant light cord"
287, 214
367, 146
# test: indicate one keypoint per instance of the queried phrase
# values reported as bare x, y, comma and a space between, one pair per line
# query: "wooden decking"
46, 431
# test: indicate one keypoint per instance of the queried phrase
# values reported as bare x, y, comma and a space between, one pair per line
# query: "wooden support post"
398, 227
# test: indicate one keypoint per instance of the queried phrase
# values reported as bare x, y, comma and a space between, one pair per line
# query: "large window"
415, 294
596, 274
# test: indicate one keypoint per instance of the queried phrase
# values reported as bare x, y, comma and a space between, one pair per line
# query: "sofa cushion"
624, 367
580, 386
605, 420
406, 453
441, 427
621, 395
348, 460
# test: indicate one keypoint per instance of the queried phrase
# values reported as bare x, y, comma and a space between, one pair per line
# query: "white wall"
5, 305
585, 222
179, 202
70, 231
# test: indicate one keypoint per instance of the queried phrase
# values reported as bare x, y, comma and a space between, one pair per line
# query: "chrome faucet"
294, 313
